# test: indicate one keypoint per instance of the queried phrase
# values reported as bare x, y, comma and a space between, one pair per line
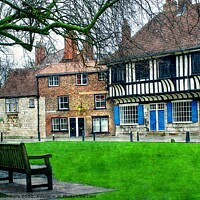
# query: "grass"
141, 171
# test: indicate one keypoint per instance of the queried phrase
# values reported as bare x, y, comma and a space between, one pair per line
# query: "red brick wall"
77, 95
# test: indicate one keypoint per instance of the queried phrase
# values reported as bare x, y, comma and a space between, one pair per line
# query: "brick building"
75, 95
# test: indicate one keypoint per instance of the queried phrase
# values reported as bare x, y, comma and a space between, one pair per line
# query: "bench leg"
28, 183
10, 176
50, 183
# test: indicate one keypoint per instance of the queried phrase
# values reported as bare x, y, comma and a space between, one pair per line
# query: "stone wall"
23, 123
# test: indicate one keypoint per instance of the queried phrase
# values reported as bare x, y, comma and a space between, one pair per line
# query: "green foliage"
136, 170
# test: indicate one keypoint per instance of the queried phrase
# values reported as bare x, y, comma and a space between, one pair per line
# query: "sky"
20, 55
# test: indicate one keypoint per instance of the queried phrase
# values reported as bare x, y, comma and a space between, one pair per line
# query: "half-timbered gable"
155, 75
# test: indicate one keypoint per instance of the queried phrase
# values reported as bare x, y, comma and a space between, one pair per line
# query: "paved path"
119, 138
17, 190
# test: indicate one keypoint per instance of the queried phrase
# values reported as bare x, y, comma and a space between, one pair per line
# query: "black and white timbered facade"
157, 94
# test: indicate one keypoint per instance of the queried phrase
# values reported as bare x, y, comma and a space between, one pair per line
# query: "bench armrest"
40, 156
45, 157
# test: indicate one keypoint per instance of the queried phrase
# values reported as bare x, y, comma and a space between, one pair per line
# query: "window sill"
100, 108
12, 113
100, 133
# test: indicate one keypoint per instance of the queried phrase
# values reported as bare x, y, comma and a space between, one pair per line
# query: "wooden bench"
14, 158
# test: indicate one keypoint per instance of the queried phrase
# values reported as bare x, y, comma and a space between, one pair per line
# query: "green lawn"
145, 171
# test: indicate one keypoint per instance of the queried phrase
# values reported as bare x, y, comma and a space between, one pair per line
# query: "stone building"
21, 109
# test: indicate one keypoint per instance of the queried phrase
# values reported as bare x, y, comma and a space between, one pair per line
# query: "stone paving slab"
17, 190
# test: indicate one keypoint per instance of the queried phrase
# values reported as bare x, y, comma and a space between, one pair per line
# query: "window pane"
118, 73
63, 102
84, 78
96, 125
100, 101
128, 115
53, 80
167, 67
63, 124
195, 63
12, 105
81, 79
55, 124
104, 124
78, 79
182, 111
142, 70
31, 103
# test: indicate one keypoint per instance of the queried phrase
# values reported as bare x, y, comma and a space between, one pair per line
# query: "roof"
20, 83
71, 68
167, 32
53, 58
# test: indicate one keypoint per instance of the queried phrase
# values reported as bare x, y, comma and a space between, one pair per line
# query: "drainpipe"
38, 110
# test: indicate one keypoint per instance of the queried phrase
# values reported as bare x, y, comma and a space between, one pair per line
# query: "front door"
157, 117
72, 122
81, 126
76, 126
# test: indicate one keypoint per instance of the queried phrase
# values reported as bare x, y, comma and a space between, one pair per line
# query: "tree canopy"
21, 20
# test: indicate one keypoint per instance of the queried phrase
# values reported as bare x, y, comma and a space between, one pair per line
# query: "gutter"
125, 59
38, 111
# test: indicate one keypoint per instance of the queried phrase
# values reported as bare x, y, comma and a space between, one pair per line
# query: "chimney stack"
39, 52
170, 6
126, 32
88, 49
70, 51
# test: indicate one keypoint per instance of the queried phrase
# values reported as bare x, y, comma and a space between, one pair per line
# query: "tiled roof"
166, 32
20, 83
71, 67
53, 58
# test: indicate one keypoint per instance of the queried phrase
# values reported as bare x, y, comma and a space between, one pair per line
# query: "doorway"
157, 117
77, 126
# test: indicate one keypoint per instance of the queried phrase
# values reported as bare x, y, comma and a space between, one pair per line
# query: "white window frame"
100, 101
12, 105
182, 112
53, 81
100, 124
60, 102
83, 79
57, 124
63, 122
133, 120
